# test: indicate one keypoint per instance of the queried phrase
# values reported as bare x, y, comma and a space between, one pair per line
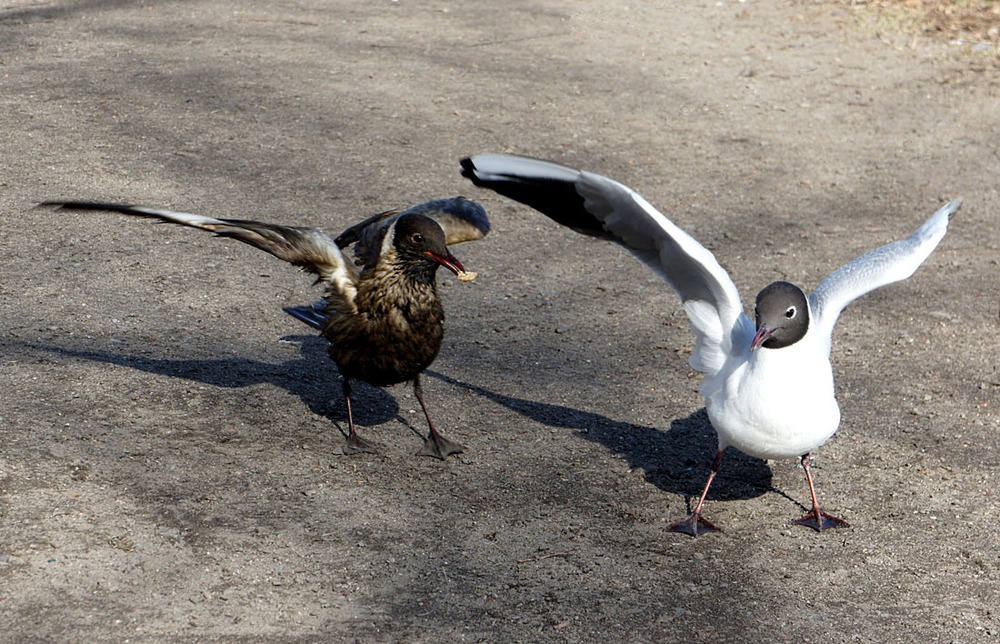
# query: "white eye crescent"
790, 313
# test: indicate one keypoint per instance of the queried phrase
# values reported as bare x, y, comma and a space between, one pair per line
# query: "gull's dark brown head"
782, 313
419, 241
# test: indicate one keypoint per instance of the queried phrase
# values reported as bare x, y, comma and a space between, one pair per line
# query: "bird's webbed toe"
694, 524
440, 447
354, 444
824, 522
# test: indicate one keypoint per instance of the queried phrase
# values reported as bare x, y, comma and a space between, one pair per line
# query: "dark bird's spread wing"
313, 250
308, 248
595, 205
460, 219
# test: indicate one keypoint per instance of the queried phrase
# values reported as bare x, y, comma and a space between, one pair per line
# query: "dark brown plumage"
381, 314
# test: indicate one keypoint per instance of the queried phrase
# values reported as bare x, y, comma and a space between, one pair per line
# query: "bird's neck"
402, 285
413, 275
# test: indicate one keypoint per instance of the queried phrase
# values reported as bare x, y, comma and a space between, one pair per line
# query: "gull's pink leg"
816, 518
694, 524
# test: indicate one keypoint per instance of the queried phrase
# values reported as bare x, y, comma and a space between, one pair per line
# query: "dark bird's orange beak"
450, 262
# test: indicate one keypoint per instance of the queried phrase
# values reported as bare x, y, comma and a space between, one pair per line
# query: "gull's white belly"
779, 403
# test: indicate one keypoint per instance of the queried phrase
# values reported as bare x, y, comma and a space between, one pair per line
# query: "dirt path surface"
169, 439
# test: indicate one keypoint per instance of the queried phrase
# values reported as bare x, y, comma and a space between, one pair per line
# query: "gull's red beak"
763, 335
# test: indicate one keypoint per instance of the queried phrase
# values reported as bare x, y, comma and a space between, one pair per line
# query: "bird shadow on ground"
676, 460
312, 377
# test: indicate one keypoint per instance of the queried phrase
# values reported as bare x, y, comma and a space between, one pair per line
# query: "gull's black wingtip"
549, 188
469, 170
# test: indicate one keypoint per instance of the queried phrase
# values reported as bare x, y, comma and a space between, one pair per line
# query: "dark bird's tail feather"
312, 314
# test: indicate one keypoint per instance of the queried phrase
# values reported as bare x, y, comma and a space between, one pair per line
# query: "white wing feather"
710, 298
596, 205
890, 263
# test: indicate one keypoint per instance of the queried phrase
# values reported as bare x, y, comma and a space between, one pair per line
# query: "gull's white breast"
774, 403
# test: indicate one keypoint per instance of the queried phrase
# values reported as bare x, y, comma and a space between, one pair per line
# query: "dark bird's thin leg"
354, 443
694, 524
816, 518
436, 445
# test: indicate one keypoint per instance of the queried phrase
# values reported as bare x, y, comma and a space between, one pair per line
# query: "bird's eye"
417, 238
790, 313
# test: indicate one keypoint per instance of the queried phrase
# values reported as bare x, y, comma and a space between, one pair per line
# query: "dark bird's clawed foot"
825, 521
693, 524
440, 447
354, 444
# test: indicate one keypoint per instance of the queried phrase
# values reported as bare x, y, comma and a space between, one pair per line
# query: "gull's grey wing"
308, 248
595, 205
890, 263
460, 219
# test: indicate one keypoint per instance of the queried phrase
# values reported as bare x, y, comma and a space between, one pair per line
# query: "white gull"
769, 384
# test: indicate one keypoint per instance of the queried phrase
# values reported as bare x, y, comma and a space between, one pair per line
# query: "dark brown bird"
381, 313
